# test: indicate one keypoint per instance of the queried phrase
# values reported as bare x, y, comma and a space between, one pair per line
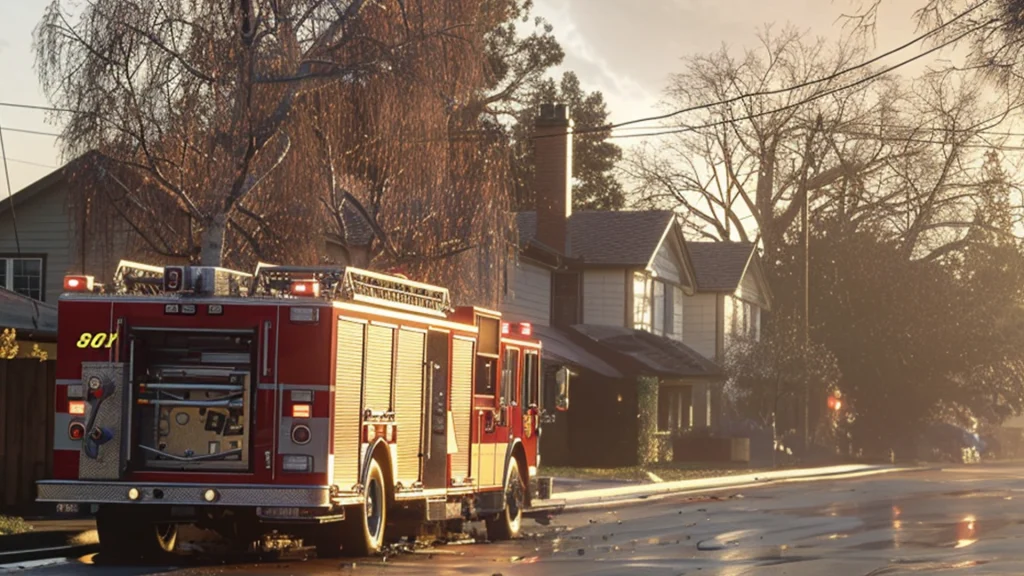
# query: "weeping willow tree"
228, 131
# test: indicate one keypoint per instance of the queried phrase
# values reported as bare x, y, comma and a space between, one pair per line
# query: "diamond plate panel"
189, 494
107, 465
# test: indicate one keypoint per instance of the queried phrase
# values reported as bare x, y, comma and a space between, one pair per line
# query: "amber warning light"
76, 408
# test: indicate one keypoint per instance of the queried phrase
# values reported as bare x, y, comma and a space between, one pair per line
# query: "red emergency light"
523, 328
78, 283
305, 288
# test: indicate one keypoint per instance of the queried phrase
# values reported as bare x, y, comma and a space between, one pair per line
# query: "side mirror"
562, 377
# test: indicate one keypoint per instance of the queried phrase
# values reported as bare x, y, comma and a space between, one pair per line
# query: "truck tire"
509, 522
364, 524
126, 534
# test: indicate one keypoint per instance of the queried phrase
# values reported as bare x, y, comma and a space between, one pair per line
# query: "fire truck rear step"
440, 509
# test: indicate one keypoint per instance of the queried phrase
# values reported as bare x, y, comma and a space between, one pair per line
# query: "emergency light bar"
79, 283
523, 328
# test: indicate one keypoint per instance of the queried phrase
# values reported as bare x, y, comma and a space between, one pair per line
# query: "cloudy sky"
625, 48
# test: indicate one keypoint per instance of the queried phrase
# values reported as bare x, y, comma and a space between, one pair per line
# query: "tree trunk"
211, 241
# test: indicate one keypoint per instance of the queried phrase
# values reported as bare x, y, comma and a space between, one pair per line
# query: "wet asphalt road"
961, 520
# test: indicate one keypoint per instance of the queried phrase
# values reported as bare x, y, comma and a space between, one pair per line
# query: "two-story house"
732, 293
618, 286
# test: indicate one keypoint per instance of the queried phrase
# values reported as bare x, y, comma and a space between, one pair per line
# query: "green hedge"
647, 442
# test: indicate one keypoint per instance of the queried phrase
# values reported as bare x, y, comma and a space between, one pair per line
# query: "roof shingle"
624, 238
649, 352
719, 266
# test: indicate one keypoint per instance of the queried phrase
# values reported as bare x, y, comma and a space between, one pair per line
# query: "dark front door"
435, 455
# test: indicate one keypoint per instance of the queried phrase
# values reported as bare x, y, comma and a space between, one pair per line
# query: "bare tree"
231, 128
748, 171
861, 148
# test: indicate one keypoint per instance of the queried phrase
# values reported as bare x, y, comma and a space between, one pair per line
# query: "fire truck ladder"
135, 278
354, 284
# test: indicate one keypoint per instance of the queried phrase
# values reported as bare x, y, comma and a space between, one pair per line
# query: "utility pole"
806, 234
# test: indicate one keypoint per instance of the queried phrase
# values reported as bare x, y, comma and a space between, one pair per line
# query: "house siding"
529, 293
749, 290
604, 299
43, 228
665, 265
700, 327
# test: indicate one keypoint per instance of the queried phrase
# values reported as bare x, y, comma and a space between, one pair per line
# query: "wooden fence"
26, 430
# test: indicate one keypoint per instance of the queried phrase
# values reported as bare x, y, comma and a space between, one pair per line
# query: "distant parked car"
951, 443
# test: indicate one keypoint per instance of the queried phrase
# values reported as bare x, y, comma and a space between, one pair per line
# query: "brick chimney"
553, 177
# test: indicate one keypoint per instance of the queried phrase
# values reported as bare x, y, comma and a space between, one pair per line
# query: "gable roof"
719, 266
607, 238
45, 183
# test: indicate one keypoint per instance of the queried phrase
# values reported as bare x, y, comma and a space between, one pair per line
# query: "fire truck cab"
343, 407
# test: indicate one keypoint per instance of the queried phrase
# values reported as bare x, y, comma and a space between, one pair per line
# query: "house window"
642, 309
673, 408
677, 312
654, 305
22, 275
659, 308
746, 319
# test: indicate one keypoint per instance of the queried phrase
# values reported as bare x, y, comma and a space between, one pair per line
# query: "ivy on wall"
647, 442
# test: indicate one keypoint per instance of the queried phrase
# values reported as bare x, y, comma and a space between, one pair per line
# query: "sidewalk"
590, 493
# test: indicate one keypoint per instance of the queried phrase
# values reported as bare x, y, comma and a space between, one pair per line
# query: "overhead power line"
807, 100
629, 123
777, 91
35, 132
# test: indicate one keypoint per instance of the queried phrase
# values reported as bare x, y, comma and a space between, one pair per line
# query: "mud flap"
104, 448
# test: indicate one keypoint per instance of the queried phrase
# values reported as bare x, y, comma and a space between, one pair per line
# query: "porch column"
701, 405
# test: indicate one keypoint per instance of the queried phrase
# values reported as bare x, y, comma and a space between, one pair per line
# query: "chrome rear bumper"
190, 494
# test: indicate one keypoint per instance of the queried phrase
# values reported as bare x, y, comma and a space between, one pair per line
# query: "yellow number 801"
97, 340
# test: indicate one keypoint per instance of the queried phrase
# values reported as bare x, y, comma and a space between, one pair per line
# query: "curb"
45, 553
41, 539
628, 495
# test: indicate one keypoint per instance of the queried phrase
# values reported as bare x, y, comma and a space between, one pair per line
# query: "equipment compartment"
192, 398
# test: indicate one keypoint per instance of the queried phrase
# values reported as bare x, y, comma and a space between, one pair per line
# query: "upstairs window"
654, 305
642, 305
22, 275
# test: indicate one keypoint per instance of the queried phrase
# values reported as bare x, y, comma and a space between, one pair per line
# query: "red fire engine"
343, 406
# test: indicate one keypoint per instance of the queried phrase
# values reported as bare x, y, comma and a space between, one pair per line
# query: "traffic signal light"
834, 402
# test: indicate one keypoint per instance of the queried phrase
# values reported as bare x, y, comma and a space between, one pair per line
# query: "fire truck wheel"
508, 524
364, 527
